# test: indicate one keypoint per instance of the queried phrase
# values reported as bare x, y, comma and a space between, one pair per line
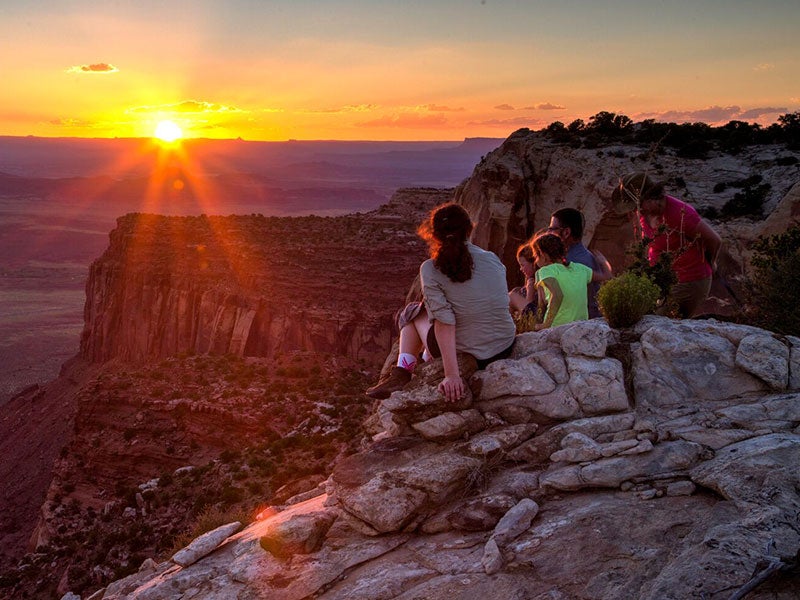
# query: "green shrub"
774, 297
626, 299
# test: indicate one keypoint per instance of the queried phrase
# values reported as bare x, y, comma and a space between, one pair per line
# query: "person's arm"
452, 386
530, 288
710, 242
603, 272
556, 296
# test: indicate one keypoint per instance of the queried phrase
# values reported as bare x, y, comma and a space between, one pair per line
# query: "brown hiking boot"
394, 380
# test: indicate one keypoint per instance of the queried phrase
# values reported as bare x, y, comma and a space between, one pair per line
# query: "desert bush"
525, 321
774, 297
626, 299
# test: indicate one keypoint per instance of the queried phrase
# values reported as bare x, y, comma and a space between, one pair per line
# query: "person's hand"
452, 388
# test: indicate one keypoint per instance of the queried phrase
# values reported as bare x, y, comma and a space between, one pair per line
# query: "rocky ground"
246, 426
654, 463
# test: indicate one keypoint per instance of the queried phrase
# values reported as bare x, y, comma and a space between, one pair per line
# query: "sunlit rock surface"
676, 490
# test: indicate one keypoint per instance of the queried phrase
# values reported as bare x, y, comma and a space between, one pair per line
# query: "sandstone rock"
665, 458
500, 440
301, 534
794, 362
681, 488
205, 544
492, 560
384, 503
523, 377
532, 343
518, 483
541, 447
760, 470
597, 385
766, 358
557, 405
516, 521
678, 364
450, 426
391, 500
480, 514
422, 401
587, 338
577, 447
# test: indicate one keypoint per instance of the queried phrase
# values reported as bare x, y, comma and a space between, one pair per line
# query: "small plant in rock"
624, 300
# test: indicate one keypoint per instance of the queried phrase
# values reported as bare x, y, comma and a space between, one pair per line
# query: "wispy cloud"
187, 106
101, 68
66, 122
407, 120
764, 67
545, 106
348, 108
514, 122
714, 115
504, 107
440, 108
755, 113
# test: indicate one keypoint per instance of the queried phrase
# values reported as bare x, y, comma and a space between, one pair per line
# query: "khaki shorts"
688, 297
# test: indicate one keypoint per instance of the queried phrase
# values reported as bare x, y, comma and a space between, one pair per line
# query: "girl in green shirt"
561, 283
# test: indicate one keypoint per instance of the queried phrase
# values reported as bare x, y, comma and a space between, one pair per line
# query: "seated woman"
466, 304
564, 282
524, 299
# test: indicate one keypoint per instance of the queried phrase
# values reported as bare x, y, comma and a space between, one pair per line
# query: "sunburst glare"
168, 131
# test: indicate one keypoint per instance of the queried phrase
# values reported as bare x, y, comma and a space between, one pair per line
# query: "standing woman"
466, 302
675, 227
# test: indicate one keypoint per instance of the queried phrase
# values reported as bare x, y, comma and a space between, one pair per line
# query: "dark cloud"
406, 120
94, 68
504, 107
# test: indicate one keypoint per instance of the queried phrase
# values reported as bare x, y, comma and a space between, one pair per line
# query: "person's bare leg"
412, 338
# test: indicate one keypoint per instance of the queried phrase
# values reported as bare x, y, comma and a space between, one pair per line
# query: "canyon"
208, 341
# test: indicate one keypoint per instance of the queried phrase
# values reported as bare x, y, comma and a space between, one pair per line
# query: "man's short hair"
572, 218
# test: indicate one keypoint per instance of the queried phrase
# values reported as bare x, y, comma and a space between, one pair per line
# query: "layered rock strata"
513, 191
252, 285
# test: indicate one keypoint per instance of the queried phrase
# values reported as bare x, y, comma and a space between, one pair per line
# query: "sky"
388, 70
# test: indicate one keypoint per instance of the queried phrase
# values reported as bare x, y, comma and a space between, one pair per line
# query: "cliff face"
513, 191
254, 286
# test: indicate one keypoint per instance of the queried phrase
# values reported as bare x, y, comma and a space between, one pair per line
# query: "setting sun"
168, 131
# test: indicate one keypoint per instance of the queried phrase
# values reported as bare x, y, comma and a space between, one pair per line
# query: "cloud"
188, 106
406, 120
348, 108
440, 108
504, 107
94, 68
711, 114
545, 106
755, 113
516, 121
714, 115
764, 67
65, 122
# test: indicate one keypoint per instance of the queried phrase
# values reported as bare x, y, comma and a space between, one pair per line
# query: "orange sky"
388, 70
